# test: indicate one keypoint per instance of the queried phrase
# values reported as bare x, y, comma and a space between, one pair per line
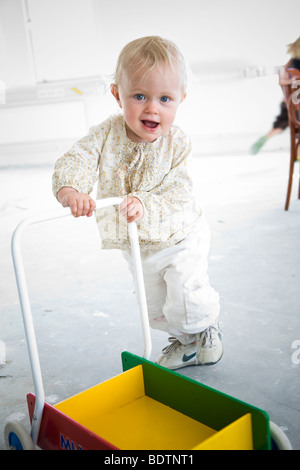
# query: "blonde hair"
147, 53
294, 49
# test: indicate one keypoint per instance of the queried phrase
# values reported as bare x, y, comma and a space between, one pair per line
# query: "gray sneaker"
206, 350
209, 346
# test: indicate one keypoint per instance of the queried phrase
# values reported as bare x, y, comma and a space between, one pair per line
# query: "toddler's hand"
132, 209
80, 204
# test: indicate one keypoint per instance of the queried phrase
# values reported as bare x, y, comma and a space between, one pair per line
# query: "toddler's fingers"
92, 207
81, 208
86, 207
73, 207
131, 209
123, 206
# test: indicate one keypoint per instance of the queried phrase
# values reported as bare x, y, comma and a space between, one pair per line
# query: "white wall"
50, 47
16, 67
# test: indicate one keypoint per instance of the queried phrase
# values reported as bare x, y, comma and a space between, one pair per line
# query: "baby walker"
145, 407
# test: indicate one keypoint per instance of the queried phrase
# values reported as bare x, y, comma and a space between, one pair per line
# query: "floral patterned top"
156, 173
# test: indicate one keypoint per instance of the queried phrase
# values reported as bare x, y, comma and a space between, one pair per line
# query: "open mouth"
151, 125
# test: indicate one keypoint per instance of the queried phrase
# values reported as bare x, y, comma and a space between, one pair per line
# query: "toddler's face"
149, 101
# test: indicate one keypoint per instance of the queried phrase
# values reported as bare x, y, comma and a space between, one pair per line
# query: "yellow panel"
148, 424
236, 436
119, 411
104, 397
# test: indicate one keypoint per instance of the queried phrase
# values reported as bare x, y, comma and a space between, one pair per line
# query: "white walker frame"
25, 303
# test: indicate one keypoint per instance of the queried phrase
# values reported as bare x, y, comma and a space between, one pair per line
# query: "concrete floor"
86, 314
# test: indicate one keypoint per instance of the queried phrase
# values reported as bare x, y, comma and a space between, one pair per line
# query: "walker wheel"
17, 437
279, 439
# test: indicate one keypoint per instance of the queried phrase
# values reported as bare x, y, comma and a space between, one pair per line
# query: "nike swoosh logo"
186, 358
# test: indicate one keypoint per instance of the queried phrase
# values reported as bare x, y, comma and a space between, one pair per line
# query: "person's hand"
284, 78
80, 204
132, 209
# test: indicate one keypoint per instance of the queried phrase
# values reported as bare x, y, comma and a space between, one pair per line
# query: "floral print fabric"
156, 173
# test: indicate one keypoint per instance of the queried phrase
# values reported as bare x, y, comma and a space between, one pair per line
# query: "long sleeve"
78, 167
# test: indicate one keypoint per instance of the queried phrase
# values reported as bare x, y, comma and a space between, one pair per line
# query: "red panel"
59, 432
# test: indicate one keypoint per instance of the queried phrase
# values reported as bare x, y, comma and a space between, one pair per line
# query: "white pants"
179, 296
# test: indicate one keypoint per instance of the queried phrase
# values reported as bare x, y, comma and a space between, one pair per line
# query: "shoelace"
207, 336
174, 343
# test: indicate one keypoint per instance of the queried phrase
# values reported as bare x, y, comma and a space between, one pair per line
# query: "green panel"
209, 406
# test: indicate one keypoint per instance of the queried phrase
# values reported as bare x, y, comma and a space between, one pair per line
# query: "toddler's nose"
151, 107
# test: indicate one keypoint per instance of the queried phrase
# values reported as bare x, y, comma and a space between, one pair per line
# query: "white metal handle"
26, 308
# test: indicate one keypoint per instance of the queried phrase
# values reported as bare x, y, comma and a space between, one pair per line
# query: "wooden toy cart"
145, 407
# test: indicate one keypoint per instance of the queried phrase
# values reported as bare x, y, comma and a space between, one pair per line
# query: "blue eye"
139, 97
164, 99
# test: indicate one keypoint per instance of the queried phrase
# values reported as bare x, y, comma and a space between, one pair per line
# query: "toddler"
140, 154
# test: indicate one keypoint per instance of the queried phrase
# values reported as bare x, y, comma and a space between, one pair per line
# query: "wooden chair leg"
290, 182
291, 172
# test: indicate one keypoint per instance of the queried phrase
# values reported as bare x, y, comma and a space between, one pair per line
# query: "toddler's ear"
183, 98
115, 92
